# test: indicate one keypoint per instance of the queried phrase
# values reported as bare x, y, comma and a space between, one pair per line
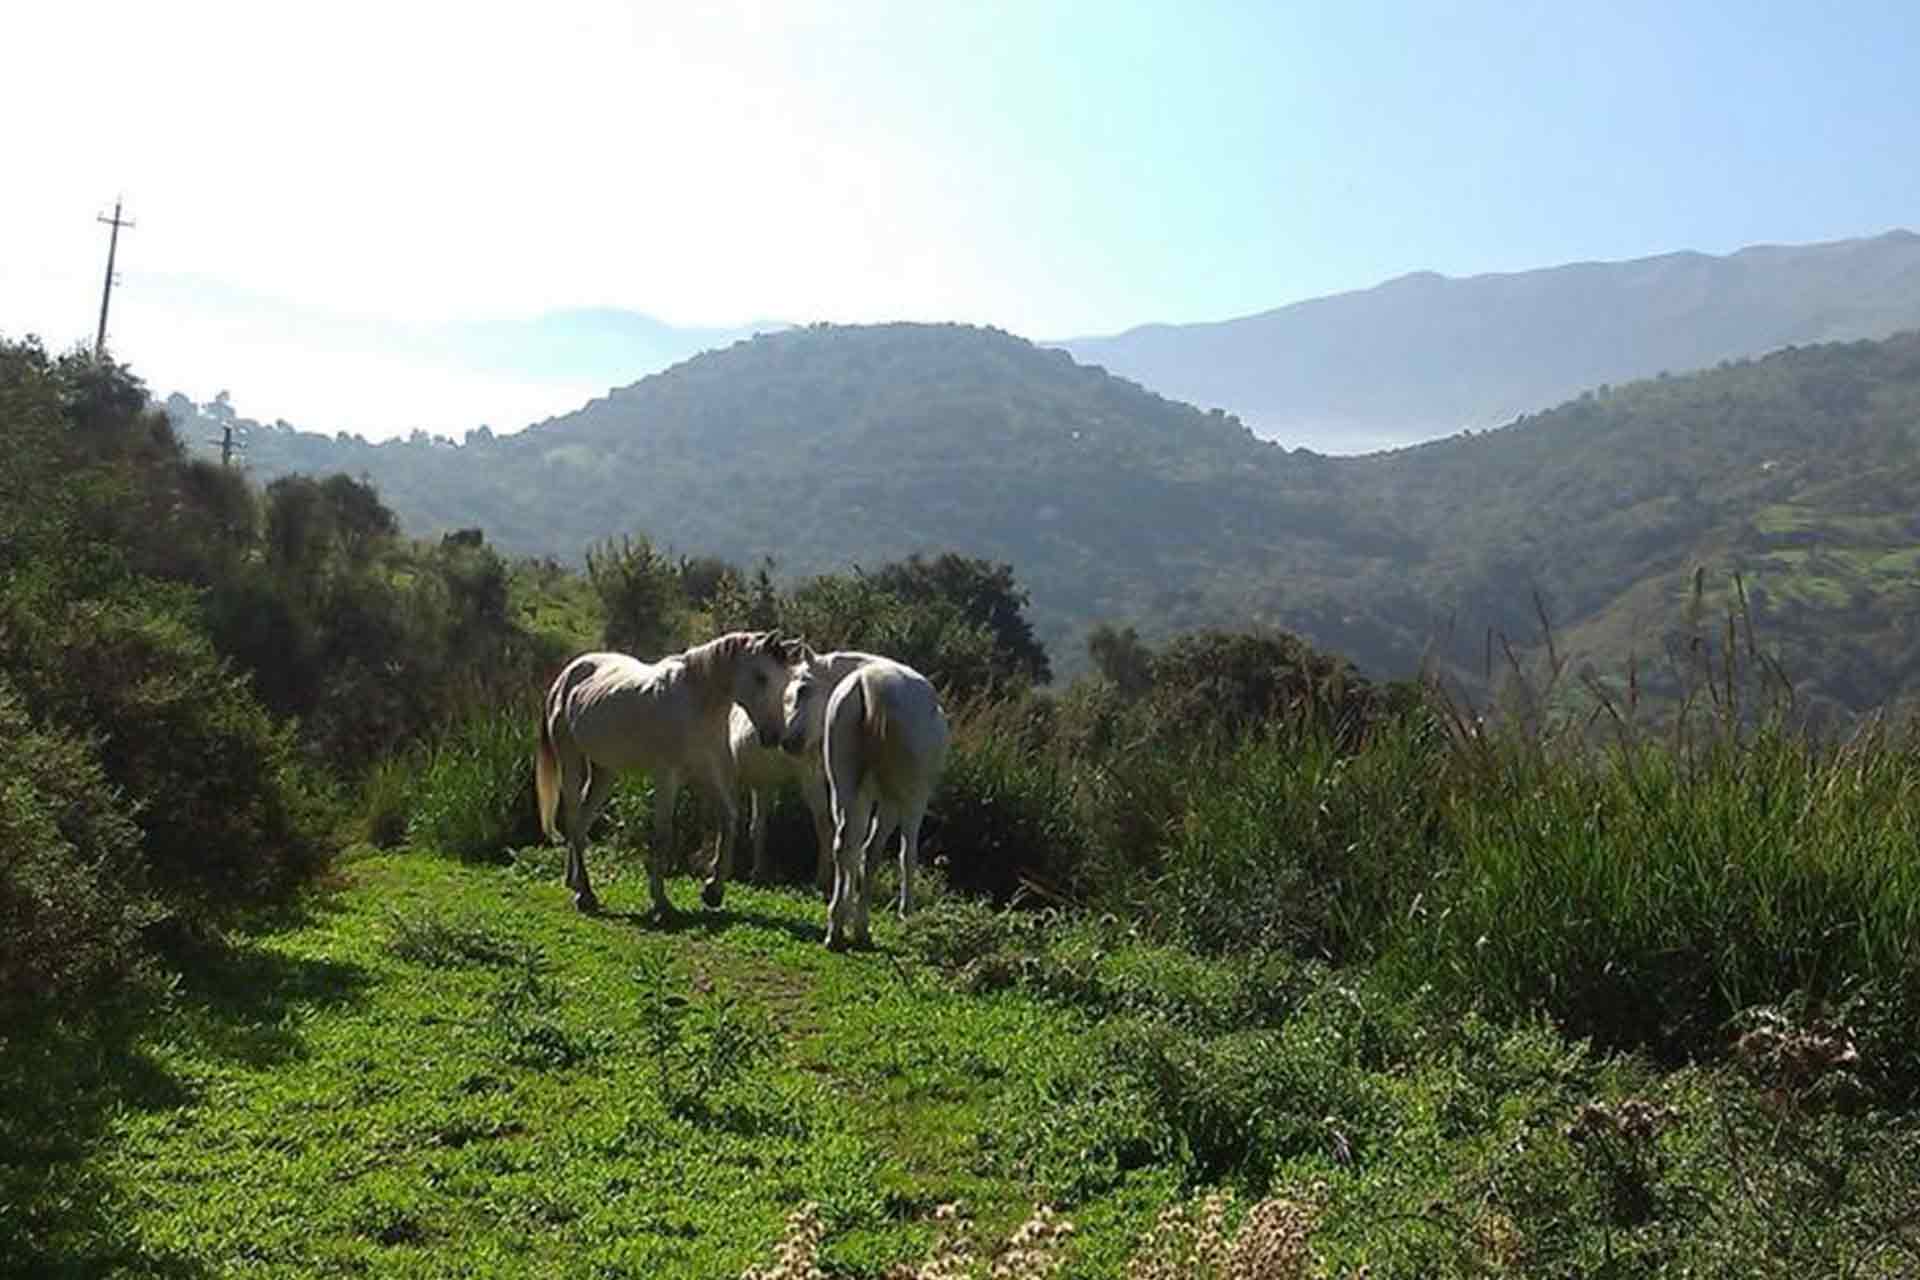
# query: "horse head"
804, 707
767, 662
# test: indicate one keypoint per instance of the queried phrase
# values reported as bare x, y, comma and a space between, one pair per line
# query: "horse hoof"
586, 904
713, 893
836, 942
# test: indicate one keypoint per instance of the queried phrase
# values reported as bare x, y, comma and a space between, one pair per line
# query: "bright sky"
325, 194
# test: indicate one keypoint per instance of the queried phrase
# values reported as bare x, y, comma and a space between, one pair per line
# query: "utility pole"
228, 446
106, 293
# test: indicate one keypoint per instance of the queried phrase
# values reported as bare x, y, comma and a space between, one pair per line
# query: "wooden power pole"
106, 293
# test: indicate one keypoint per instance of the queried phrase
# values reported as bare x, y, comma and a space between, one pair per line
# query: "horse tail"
873, 716
546, 764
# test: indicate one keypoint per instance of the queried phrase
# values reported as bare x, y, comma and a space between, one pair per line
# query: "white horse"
764, 770
882, 739
609, 712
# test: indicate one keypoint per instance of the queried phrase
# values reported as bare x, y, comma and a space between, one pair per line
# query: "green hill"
828, 446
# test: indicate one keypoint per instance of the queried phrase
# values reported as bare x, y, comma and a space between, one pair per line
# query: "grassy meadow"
436, 1068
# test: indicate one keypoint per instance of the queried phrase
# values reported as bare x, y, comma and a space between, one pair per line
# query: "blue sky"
328, 198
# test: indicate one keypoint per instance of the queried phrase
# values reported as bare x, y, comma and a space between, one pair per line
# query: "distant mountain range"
828, 446
1424, 356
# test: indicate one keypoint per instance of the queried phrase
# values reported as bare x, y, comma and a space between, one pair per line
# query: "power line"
106, 293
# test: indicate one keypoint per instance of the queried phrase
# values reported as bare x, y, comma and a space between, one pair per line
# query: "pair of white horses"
867, 734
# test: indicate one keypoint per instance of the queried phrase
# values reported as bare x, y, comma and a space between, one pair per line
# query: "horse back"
625, 712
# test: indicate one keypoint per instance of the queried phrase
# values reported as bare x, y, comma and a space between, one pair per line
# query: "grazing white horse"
764, 770
882, 739
610, 712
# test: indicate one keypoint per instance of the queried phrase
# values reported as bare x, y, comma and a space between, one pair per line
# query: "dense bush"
72, 889
226, 657
1003, 817
1221, 684
227, 814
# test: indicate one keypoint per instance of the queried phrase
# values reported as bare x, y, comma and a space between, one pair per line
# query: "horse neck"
711, 668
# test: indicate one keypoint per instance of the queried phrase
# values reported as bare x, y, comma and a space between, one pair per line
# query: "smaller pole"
106, 292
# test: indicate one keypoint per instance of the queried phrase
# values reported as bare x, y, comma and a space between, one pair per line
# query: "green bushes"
1003, 815
72, 889
227, 816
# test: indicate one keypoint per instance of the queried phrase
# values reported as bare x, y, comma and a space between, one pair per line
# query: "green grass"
440, 1069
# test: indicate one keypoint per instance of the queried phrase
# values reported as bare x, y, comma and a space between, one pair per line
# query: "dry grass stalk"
795, 1257
1033, 1252
1193, 1243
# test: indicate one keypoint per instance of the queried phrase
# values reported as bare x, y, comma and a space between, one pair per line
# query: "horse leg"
820, 807
723, 787
849, 855
574, 771
666, 789
863, 898
757, 836
910, 819
600, 781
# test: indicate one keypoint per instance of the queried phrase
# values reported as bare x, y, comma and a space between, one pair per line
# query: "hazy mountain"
826, 446
1425, 355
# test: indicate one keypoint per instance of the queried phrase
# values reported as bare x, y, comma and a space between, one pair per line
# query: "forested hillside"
828, 447
825, 447
1425, 355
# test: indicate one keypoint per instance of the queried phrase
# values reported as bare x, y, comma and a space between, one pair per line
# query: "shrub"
1216, 684
1003, 815
227, 816
71, 887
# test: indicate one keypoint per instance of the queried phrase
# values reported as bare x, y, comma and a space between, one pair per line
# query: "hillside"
824, 446
1425, 355
829, 446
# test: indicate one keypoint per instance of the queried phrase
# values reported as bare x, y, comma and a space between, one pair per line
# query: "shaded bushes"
227, 816
1003, 815
72, 889
162, 626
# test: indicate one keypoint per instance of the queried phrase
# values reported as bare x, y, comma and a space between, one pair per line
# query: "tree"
640, 593
1122, 657
984, 593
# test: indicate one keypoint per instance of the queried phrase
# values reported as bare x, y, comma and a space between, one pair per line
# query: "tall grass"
1646, 883
1287, 841
472, 789
1643, 894
1004, 815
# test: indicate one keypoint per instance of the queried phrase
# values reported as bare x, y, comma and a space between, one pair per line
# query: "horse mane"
704, 662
